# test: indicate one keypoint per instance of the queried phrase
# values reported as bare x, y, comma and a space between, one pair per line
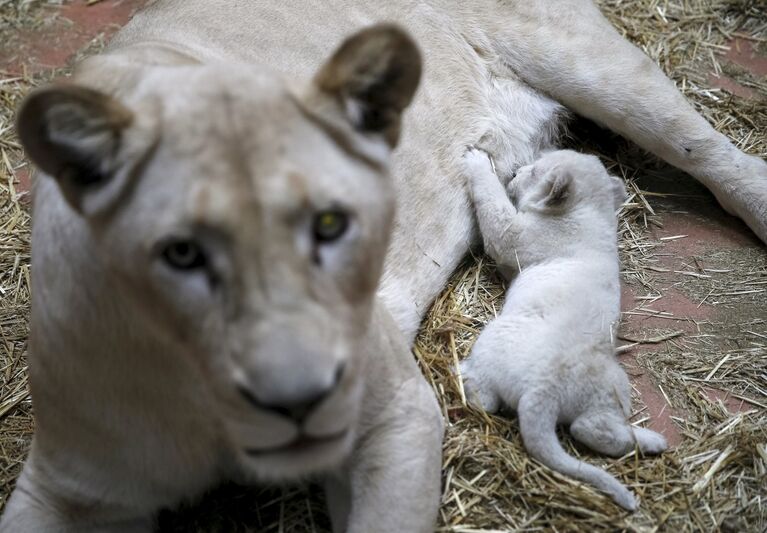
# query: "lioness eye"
184, 255
329, 225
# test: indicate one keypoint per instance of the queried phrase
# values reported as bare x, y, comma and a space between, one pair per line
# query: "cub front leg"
495, 212
392, 482
569, 50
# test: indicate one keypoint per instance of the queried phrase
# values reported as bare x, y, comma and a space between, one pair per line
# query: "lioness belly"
468, 95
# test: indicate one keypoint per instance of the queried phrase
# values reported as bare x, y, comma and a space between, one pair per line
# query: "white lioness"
208, 239
206, 268
550, 354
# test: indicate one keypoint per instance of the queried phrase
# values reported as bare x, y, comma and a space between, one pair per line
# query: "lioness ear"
618, 188
73, 134
374, 75
556, 187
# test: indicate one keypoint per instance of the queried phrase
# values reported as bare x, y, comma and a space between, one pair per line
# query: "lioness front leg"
392, 482
37, 506
569, 50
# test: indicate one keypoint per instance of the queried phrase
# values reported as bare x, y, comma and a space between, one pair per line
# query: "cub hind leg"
538, 414
493, 374
610, 434
479, 387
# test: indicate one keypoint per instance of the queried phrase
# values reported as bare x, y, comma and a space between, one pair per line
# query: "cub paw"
479, 394
649, 441
477, 162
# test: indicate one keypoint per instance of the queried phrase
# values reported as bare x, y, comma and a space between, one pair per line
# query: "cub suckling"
550, 354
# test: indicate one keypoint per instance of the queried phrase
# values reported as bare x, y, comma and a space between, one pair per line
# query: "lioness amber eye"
330, 225
184, 255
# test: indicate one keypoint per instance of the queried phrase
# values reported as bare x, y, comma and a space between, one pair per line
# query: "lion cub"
550, 353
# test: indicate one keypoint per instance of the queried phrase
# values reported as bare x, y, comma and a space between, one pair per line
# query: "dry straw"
716, 479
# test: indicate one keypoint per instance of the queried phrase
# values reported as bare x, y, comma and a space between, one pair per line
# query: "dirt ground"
694, 327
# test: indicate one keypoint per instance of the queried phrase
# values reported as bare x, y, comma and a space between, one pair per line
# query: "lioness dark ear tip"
40, 101
387, 36
374, 75
28, 114
399, 40
66, 111
379, 55
31, 125
408, 57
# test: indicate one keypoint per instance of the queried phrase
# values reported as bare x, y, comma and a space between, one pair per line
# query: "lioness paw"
476, 162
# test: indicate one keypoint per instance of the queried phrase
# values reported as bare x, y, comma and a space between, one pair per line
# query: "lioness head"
249, 221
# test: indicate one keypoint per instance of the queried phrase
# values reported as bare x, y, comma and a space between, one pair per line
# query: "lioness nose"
296, 406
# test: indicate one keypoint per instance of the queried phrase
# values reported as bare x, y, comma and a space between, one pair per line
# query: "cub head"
243, 222
563, 182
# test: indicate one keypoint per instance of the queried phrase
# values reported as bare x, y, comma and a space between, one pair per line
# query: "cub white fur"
550, 353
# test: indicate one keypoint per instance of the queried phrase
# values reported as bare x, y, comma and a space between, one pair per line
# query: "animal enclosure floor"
694, 326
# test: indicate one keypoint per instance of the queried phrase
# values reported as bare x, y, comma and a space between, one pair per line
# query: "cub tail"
537, 422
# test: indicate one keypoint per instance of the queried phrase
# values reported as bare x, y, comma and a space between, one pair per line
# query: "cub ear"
373, 75
557, 187
73, 134
618, 189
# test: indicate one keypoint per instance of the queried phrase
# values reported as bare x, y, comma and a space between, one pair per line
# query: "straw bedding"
716, 479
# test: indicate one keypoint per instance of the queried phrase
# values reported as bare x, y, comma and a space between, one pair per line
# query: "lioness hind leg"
568, 50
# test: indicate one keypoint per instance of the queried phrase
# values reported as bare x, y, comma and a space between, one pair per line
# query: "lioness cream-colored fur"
205, 307
214, 124
550, 353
